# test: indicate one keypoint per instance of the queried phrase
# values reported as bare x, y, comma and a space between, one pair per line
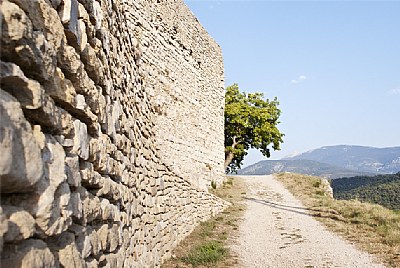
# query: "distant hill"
301, 166
357, 158
380, 189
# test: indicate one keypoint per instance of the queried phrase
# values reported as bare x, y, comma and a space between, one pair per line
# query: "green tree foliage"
250, 122
381, 189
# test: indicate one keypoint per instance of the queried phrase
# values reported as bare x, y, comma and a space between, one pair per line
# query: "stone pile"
111, 131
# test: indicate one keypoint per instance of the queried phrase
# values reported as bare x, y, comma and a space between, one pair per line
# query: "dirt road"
278, 232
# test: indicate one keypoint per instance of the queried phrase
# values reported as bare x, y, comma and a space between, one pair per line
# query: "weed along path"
277, 231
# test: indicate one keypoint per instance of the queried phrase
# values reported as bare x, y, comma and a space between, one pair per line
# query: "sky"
333, 65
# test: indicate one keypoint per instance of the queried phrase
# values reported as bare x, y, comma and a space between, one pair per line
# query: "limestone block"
60, 88
28, 92
83, 243
92, 263
69, 60
68, 254
3, 228
106, 209
55, 217
114, 237
81, 140
92, 64
84, 85
65, 11
69, 14
50, 116
19, 44
29, 253
74, 70
103, 237
95, 242
76, 205
91, 208
67, 126
72, 170
82, 13
103, 36
90, 177
80, 102
44, 18
83, 36
21, 225
53, 210
39, 136
97, 14
21, 165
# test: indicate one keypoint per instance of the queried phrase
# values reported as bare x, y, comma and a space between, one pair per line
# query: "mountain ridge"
301, 166
355, 157
333, 162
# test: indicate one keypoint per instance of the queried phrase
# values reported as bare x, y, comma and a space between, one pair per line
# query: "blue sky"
334, 66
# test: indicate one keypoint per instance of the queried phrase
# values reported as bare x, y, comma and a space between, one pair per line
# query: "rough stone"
93, 65
28, 92
21, 225
72, 170
81, 140
61, 89
21, 164
53, 211
3, 228
65, 11
83, 243
31, 50
45, 18
68, 254
29, 253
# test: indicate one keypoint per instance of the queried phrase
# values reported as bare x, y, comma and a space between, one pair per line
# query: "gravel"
278, 232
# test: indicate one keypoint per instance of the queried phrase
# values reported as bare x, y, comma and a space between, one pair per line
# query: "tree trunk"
229, 156
228, 160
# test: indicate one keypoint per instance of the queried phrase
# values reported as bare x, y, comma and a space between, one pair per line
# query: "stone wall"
111, 130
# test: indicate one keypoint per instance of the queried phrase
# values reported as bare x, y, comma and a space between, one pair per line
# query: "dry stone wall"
111, 130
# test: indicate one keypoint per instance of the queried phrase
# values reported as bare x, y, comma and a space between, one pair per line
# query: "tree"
250, 122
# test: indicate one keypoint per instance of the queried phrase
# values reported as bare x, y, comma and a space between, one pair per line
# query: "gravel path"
277, 232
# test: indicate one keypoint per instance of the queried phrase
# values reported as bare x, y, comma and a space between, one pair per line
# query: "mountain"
301, 166
356, 158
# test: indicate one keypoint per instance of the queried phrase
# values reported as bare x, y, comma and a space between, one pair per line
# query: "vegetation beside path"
373, 228
208, 244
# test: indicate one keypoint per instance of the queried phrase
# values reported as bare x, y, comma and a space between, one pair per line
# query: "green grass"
209, 252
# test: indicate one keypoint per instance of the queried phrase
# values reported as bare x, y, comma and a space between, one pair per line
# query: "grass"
208, 244
371, 227
209, 252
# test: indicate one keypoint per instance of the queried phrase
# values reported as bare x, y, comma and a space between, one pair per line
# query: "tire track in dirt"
277, 231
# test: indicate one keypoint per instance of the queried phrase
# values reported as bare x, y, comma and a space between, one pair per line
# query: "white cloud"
298, 79
395, 91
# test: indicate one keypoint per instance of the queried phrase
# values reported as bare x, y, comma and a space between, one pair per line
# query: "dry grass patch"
373, 228
208, 244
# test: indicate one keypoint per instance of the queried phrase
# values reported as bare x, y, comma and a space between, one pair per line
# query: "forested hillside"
380, 189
